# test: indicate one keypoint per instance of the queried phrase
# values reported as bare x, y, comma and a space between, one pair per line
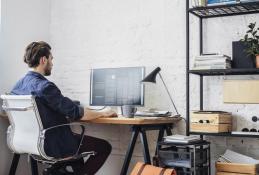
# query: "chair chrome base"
56, 171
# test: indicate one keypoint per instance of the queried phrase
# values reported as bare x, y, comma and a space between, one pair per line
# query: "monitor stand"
119, 110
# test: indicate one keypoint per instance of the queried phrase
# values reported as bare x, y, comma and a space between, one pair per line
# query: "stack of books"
181, 138
221, 2
199, 3
203, 3
212, 61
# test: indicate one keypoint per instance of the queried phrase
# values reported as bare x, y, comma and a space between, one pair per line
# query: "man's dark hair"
35, 51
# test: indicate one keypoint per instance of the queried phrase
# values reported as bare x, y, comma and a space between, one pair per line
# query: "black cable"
183, 118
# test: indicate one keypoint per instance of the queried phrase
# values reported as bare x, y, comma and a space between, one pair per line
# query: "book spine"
198, 2
212, 57
211, 62
220, 2
203, 3
226, 65
211, 67
193, 3
214, 65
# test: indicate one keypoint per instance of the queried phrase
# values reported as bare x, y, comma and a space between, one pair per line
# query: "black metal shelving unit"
225, 10
212, 12
218, 72
225, 134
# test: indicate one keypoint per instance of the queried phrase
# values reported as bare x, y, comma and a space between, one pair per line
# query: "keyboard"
153, 114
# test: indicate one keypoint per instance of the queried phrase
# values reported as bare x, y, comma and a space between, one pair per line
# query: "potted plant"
251, 41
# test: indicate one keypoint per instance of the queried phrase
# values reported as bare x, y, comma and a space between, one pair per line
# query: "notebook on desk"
153, 114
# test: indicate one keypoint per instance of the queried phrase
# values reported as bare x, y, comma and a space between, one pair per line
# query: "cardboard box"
211, 121
241, 91
236, 169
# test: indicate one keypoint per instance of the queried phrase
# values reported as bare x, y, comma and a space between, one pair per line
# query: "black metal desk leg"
14, 165
209, 160
159, 138
144, 142
34, 166
169, 130
128, 156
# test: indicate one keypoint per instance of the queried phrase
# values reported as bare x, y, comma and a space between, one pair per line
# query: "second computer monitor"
117, 86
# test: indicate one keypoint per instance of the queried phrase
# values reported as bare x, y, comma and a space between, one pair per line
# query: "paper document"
181, 138
234, 157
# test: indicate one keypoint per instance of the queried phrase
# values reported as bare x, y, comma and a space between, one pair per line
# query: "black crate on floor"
186, 158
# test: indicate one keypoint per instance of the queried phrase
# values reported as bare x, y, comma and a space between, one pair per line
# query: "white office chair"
26, 134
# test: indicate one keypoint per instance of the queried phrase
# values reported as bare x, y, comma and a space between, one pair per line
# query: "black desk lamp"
152, 79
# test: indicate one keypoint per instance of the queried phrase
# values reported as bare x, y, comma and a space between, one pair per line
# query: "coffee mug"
128, 110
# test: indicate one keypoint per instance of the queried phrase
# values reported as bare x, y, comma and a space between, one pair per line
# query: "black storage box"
240, 58
186, 158
181, 157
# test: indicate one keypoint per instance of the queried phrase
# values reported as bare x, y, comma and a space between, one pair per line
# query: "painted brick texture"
95, 34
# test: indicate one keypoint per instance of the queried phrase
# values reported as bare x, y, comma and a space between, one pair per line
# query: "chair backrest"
23, 135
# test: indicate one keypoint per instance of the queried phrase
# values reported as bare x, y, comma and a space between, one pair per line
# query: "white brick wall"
22, 23
88, 34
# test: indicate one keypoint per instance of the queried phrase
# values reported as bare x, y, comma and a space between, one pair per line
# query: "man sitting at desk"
55, 109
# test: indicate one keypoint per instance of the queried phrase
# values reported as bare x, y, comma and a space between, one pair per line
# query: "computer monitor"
117, 86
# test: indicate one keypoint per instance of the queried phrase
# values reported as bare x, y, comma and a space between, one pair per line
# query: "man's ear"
43, 60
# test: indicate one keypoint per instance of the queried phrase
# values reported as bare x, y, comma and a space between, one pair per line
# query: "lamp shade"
152, 76
152, 79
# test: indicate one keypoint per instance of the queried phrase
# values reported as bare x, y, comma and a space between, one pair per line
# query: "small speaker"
254, 119
240, 58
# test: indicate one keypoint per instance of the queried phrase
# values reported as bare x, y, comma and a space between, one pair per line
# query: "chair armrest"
55, 160
69, 124
17, 108
76, 155
84, 154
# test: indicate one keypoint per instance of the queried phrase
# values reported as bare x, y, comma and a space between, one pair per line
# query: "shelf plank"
217, 72
224, 134
225, 10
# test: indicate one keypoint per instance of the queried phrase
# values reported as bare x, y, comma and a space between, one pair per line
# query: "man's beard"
47, 70
47, 73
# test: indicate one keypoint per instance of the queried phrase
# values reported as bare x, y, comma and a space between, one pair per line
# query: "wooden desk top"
135, 121
127, 121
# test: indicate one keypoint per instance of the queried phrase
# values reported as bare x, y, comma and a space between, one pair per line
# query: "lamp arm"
168, 93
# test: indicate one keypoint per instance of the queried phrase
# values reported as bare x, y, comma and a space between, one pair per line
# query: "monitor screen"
117, 86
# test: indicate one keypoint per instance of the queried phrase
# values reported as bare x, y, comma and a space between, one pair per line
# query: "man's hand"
93, 114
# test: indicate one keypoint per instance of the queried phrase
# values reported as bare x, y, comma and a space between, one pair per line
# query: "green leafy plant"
251, 40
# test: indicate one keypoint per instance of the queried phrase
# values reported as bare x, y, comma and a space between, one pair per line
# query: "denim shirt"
54, 109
